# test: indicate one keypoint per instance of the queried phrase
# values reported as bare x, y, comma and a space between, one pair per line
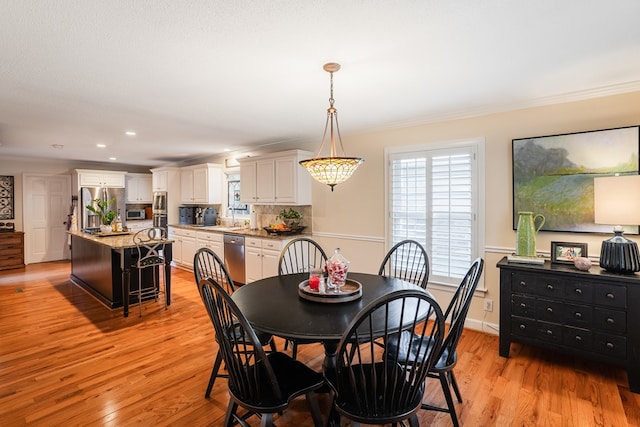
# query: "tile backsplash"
266, 214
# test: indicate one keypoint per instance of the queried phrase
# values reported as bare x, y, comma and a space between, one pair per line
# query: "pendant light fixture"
331, 170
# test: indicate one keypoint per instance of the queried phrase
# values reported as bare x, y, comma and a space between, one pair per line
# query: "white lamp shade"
617, 200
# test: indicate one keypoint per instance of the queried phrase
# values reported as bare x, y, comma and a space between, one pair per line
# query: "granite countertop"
115, 242
239, 231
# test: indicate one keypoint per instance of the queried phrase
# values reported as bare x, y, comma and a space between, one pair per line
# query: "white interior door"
46, 203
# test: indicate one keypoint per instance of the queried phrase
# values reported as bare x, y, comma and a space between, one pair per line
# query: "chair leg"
314, 407
272, 345
266, 420
140, 292
228, 416
447, 395
454, 384
214, 374
413, 421
294, 349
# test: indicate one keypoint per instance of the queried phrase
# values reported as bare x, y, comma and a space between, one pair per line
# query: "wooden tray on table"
351, 291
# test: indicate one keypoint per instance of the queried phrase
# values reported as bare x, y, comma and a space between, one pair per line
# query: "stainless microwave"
135, 214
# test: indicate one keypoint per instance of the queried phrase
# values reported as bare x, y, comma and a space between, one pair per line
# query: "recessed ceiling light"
130, 133
112, 158
227, 150
101, 145
57, 146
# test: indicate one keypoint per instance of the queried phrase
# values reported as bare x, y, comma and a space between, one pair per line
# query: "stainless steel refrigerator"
88, 220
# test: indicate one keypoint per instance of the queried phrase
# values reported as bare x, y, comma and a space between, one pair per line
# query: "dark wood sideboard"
591, 314
11, 249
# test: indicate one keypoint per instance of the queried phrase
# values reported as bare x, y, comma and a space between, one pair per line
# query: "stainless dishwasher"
234, 257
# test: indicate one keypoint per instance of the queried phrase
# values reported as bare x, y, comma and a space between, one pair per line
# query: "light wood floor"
67, 360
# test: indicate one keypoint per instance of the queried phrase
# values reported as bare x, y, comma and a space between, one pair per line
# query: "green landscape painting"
553, 175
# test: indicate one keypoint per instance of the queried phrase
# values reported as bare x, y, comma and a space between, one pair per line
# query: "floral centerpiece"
101, 208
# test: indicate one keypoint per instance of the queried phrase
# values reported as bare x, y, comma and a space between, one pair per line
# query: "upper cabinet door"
161, 181
138, 188
248, 182
201, 184
265, 186
285, 179
275, 179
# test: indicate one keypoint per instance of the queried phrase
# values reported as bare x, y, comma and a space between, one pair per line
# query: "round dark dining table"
273, 305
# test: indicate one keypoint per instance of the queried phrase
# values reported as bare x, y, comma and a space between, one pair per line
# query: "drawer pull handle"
522, 327
610, 321
550, 287
610, 296
578, 315
578, 338
578, 291
610, 346
523, 305
523, 283
549, 332
549, 310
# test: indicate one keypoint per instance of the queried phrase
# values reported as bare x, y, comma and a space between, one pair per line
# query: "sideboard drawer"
614, 321
549, 287
578, 292
523, 306
523, 326
578, 315
578, 338
549, 310
612, 296
611, 345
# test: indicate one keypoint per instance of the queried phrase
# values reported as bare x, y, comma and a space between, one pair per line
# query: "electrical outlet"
488, 305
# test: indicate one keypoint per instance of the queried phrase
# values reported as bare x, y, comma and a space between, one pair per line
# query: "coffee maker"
198, 216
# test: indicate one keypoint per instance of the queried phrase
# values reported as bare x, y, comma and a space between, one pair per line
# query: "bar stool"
150, 244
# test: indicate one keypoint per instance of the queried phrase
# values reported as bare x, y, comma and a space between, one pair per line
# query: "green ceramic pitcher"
526, 233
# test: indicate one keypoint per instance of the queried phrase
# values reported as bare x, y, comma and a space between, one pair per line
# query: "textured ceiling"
195, 77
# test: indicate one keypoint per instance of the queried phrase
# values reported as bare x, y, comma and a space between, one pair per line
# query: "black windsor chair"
150, 264
207, 264
261, 383
447, 357
407, 260
300, 256
370, 386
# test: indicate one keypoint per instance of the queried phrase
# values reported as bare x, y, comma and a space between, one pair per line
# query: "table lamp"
617, 202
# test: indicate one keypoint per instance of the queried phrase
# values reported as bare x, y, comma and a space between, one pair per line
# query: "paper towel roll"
253, 223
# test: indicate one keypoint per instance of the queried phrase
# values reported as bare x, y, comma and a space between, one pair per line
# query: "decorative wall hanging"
6, 197
553, 175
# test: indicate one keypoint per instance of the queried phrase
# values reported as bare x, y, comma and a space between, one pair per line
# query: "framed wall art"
567, 252
553, 175
6, 197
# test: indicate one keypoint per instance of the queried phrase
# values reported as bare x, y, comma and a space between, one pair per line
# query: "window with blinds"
432, 199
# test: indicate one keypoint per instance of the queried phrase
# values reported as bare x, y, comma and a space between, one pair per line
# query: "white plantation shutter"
432, 199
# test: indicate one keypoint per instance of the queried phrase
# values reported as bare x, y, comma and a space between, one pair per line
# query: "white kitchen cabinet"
183, 247
201, 184
98, 178
166, 179
211, 240
139, 188
261, 257
275, 179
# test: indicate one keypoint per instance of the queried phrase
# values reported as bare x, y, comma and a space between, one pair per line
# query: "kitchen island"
102, 267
